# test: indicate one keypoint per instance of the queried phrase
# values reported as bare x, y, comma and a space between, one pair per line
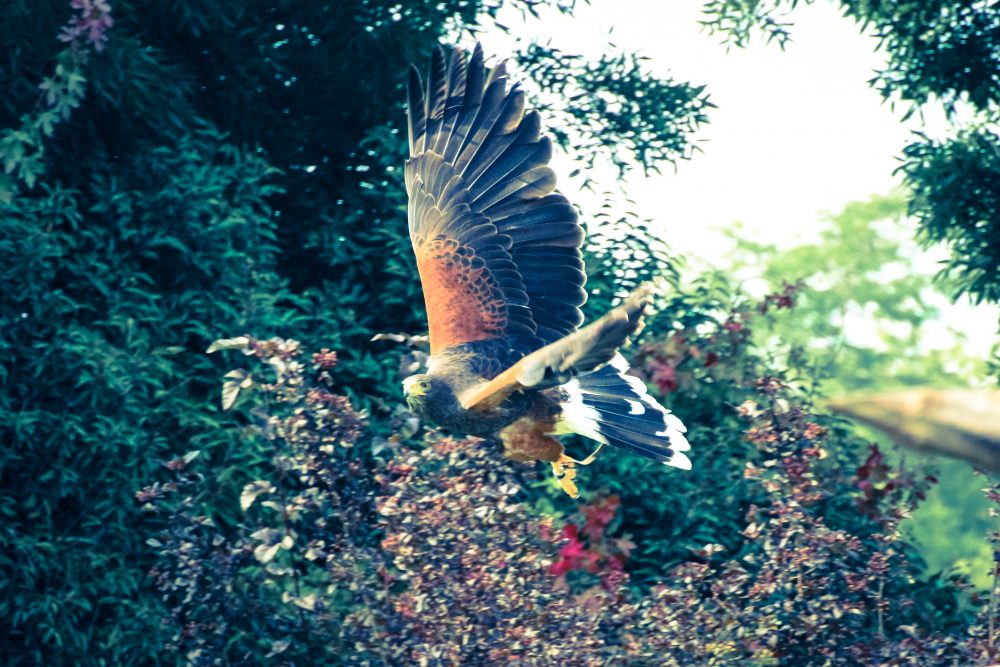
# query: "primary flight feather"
498, 252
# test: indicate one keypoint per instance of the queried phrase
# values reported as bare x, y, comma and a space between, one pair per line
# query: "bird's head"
423, 390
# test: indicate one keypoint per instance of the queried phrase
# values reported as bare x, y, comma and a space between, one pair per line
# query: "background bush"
436, 557
176, 172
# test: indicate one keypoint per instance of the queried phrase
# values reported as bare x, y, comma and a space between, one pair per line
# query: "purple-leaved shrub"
90, 25
22, 149
430, 556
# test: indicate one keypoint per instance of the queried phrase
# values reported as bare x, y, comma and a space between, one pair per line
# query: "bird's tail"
614, 408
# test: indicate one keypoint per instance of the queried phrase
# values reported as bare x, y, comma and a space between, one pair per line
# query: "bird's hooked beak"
413, 386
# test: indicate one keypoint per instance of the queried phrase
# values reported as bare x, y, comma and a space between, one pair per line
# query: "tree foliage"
106, 309
956, 201
861, 275
864, 304
614, 108
943, 52
173, 172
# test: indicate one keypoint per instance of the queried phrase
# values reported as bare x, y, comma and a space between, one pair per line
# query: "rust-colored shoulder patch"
464, 302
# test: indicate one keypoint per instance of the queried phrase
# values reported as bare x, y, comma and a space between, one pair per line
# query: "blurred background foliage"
939, 52
176, 172
866, 320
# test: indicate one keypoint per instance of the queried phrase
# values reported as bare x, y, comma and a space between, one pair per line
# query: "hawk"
498, 252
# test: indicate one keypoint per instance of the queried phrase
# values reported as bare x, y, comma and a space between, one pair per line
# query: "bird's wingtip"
679, 460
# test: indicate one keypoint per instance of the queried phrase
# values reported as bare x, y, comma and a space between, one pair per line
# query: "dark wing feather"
498, 252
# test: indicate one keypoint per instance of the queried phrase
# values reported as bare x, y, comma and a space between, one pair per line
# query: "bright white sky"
796, 133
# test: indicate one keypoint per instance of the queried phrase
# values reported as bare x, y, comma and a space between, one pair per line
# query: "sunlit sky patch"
797, 133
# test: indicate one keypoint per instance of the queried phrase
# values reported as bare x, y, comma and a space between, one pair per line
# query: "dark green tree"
174, 172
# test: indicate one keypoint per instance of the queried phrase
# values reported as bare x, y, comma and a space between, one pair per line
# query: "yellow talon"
569, 487
590, 459
564, 469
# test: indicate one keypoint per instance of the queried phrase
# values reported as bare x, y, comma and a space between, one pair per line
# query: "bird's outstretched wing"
582, 351
497, 249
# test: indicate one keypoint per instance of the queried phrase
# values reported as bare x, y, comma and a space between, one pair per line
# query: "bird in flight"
498, 252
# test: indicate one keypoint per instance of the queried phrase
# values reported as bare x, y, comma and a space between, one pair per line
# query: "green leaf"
265, 553
252, 490
237, 380
238, 343
307, 602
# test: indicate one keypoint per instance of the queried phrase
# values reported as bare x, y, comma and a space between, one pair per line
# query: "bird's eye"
424, 384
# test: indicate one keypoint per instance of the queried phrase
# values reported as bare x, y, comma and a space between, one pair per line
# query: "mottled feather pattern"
472, 144
480, 359
472, 289
464, 301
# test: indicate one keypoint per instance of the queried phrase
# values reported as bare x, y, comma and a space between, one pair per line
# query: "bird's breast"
487, 423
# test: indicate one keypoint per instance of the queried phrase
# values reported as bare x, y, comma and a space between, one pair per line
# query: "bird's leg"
590, 459
564, 469
523, 442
